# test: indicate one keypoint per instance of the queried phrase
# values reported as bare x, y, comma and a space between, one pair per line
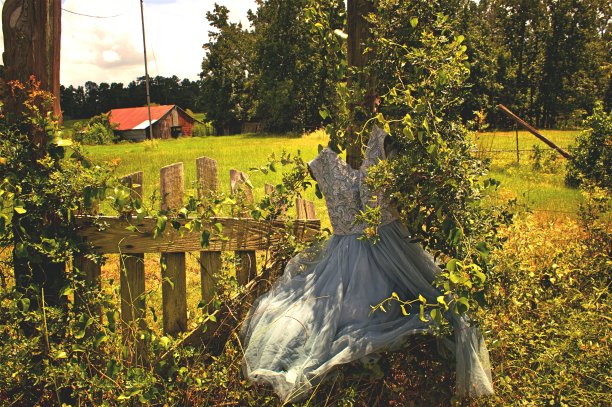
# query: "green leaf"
62, 142
20, 210
463, 305
205, 238
324, 114
61, 355
414, 21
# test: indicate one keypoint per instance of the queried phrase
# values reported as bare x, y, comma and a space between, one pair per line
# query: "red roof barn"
168, 121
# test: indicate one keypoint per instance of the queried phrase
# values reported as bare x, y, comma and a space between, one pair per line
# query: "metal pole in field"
144, 46
518, 154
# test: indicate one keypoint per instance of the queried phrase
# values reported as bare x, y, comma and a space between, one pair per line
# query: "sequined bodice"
345, 189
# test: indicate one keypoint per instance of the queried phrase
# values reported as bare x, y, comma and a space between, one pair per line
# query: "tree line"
547, 60
90, 100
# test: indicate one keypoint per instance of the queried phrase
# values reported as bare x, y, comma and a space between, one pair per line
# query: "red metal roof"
129, 118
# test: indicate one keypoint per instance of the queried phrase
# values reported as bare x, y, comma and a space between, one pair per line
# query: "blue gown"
318, 314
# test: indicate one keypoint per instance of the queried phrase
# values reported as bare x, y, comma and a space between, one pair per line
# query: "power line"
88, 15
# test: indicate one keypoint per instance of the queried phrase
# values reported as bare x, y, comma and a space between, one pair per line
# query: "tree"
32, 30
226, 69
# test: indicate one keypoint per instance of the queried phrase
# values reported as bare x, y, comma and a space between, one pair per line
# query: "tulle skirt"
319, 314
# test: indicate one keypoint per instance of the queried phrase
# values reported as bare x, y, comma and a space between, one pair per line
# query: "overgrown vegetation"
97, 130
592, 155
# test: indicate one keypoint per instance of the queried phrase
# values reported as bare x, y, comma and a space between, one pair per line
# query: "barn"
168, 121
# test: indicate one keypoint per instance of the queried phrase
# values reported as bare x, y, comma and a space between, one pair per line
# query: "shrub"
203, 130
592, 158
546, 161
549, 298
97, 130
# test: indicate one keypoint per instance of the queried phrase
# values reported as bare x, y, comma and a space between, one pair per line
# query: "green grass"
538, 190
241, 152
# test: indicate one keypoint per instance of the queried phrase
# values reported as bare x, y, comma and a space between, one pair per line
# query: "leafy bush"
549, 301
546, 161
97, 130
592, 158
203, 130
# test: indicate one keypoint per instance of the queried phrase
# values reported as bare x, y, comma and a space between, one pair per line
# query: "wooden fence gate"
244, 236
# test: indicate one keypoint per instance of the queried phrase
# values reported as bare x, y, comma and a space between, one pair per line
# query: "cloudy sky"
110, 49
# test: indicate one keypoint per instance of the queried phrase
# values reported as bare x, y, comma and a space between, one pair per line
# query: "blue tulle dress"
319, 315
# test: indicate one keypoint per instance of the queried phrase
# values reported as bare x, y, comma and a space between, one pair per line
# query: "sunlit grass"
538, 190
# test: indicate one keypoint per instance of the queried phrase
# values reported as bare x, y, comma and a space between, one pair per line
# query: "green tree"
293, 75
226, 71
592, 155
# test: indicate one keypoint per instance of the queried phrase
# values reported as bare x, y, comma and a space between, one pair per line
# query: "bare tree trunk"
358, 35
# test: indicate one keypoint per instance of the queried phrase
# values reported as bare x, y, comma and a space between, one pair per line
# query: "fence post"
246, 270
210, 262
91, 270
174, 280
305, 209
132, 276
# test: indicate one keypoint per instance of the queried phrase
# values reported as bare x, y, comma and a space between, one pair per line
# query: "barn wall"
132, 135
161, 128
186, 122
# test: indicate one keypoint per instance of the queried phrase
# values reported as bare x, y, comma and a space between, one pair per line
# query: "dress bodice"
339, 184
374, 153
345, 189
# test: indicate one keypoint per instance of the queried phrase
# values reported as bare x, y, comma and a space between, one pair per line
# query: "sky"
110, 49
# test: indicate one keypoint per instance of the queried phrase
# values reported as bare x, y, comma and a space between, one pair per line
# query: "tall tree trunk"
358, 35
32, 31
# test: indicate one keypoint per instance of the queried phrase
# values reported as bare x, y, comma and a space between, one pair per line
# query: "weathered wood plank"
246, 267
207, 175
241, 234
210, 262
239, 181
310, 210
174, 279
132, 280
210, 266
132, 272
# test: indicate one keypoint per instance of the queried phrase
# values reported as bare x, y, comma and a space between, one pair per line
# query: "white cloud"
110, 49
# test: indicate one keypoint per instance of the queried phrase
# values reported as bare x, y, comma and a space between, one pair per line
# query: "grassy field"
538, 190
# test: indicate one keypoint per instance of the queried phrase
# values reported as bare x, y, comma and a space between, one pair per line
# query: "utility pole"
144, 46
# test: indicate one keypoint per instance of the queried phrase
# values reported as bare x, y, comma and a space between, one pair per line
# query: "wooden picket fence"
244, 236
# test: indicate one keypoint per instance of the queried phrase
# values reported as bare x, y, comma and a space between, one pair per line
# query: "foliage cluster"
203, 130
97, 130
274, 73
544, 160
547, 314
546, 61
432, 176
592, 155
42, 190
